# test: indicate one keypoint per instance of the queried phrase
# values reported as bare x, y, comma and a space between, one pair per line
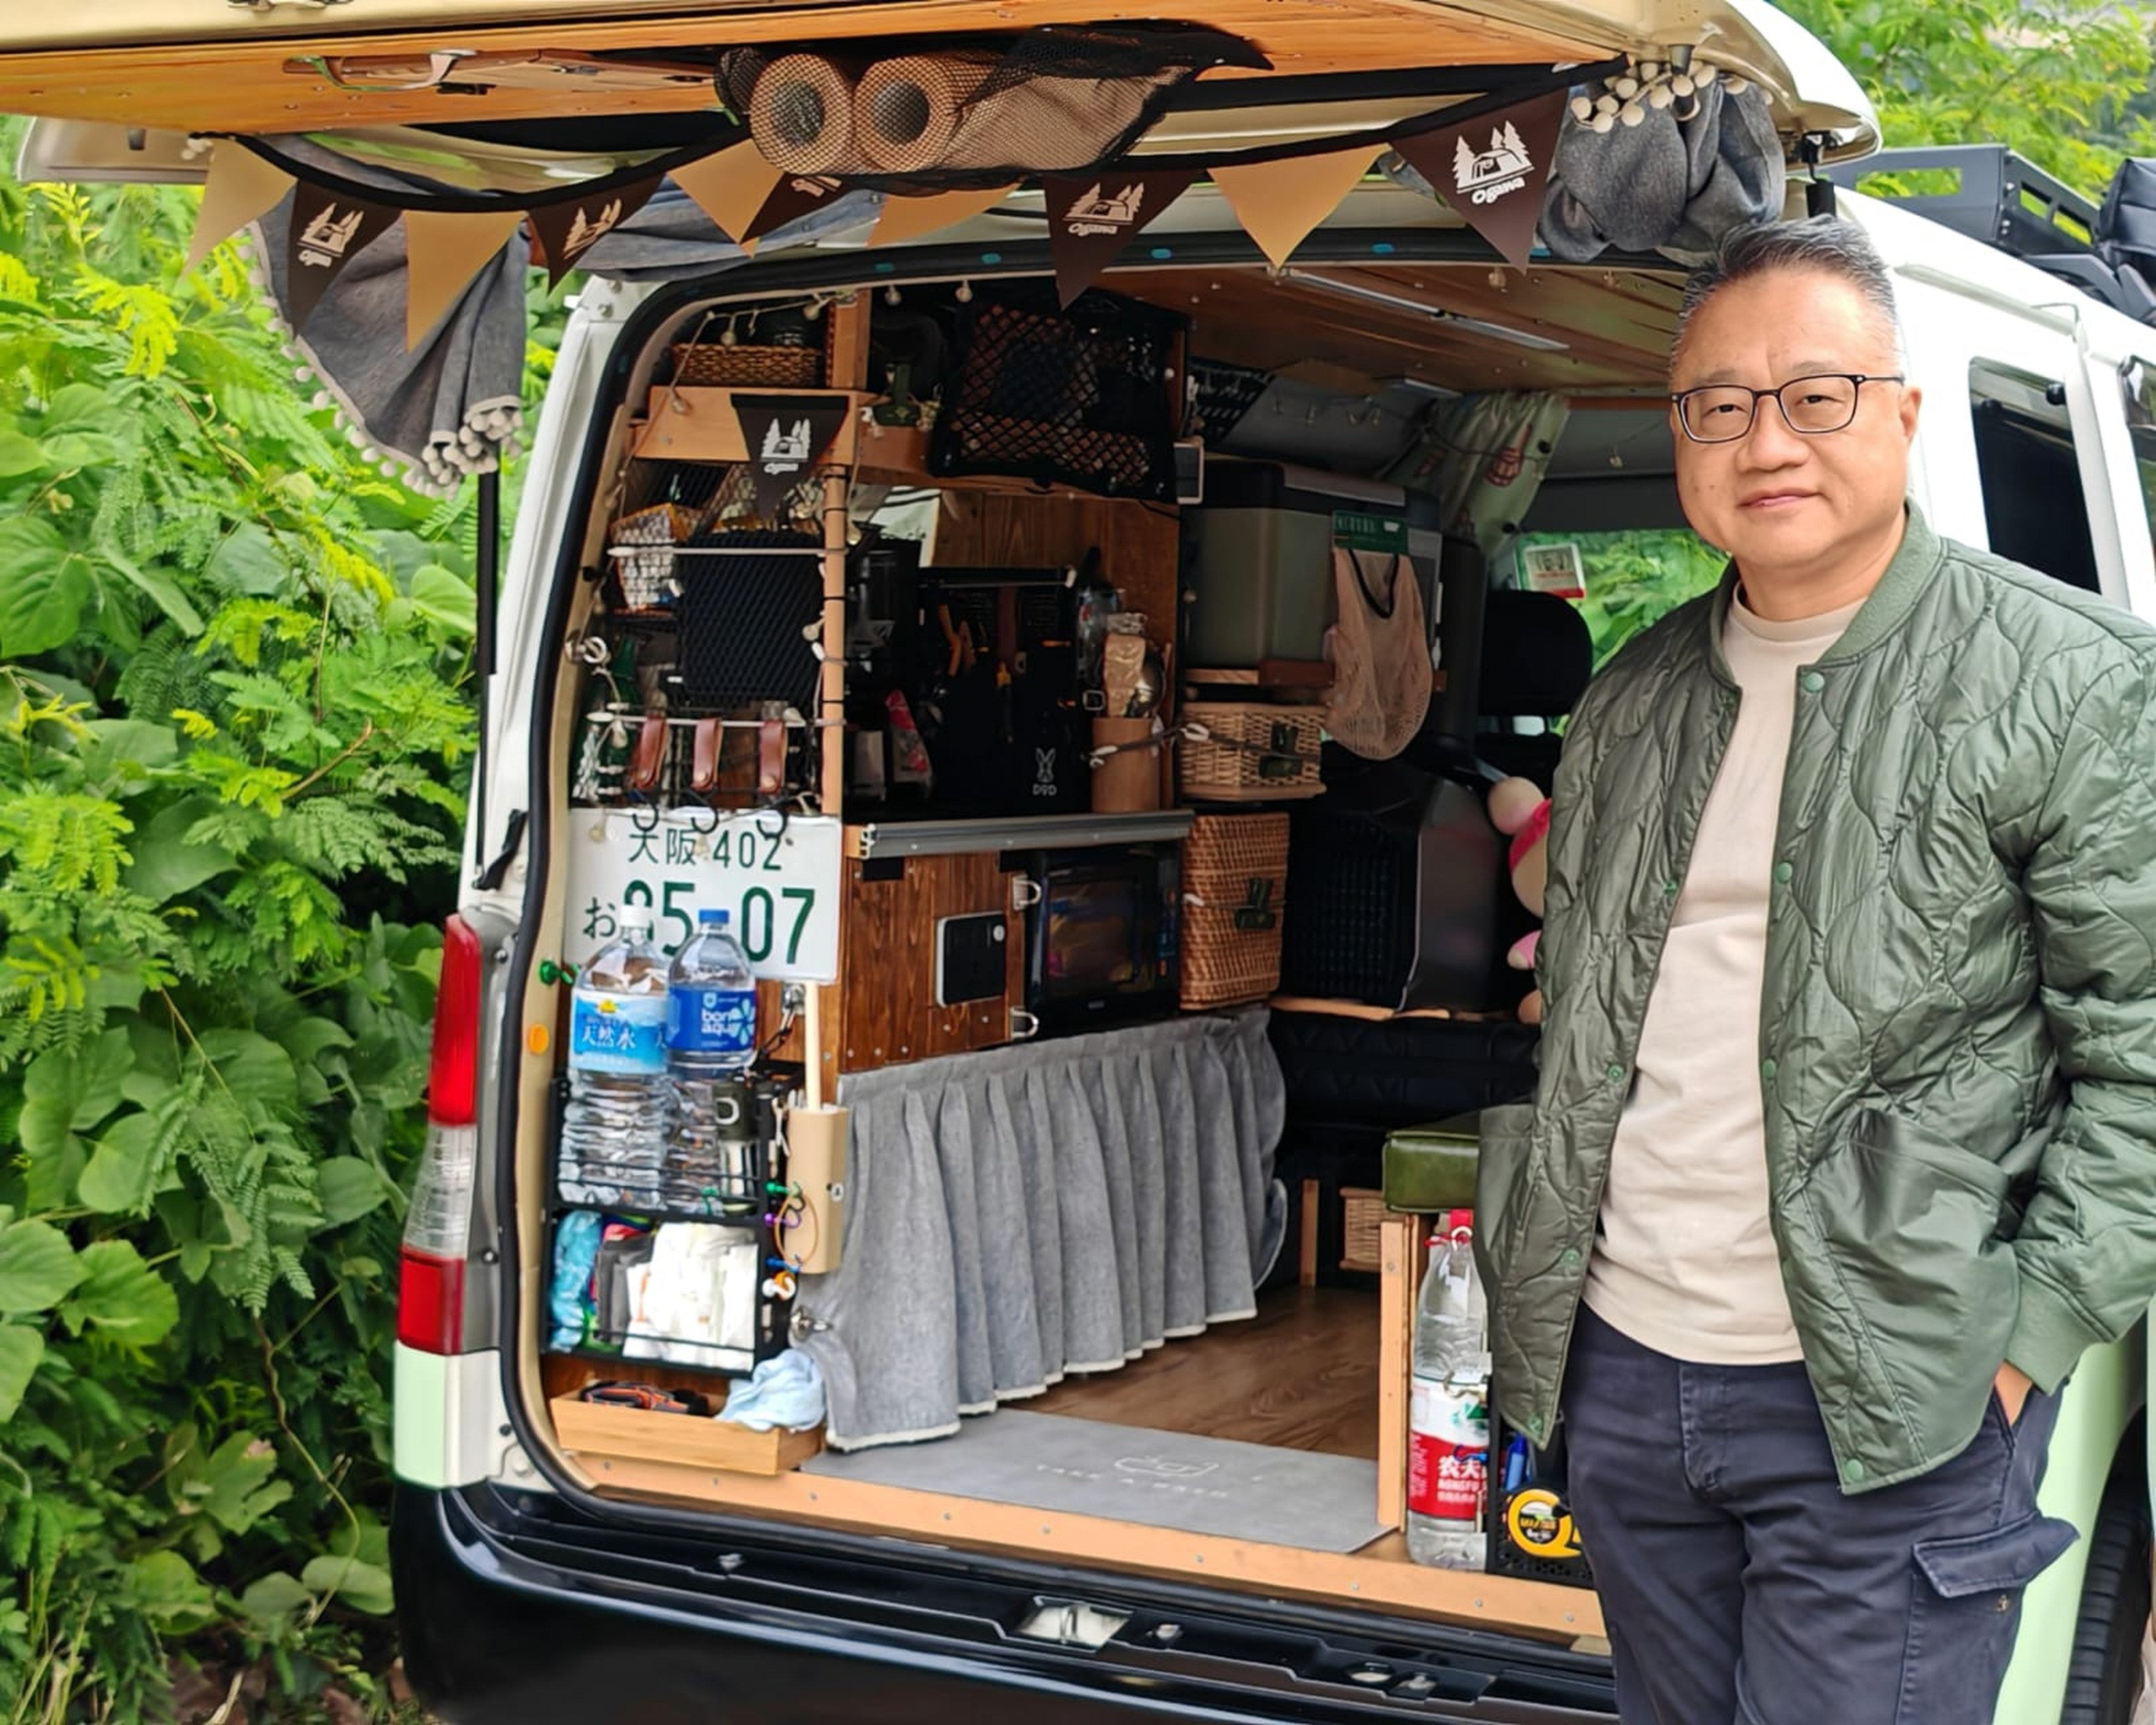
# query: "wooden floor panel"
1300, 1375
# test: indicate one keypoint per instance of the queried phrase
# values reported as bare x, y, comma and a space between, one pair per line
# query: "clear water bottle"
710, 1043
614, 1134
1449, 1408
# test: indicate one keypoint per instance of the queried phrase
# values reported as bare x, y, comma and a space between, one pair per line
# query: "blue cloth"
784, 1392
576, 1250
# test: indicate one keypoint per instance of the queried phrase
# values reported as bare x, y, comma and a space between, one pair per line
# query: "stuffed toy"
1519, 809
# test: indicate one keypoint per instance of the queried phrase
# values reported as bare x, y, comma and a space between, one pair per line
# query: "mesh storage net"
1089, 398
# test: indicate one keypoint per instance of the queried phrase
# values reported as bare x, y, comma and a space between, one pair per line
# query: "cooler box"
1258, 557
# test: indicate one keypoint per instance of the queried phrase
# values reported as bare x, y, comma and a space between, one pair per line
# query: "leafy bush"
234, 665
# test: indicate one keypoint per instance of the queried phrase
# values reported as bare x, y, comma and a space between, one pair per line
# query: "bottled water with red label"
1449, 1408
710, 1043
614, 1134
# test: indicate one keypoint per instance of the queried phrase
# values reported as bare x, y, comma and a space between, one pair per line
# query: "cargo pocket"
1965, 1603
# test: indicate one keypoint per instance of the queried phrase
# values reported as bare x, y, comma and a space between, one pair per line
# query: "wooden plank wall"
887, 1012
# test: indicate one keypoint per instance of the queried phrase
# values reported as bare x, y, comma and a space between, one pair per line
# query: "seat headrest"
1538, 655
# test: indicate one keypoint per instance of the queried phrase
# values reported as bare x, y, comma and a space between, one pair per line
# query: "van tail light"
430, 1282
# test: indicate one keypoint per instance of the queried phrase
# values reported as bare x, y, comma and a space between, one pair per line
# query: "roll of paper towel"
801, 114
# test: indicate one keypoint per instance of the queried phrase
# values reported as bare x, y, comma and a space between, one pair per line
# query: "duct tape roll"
907, 111
801, 114
816, 1147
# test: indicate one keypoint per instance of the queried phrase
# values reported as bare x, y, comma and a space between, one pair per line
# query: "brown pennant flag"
329, 230
792, 197
242, 187
442, 253
785, 436
1091, 220
565, 231
1492, 169
730, 188
909, 218
1280, 203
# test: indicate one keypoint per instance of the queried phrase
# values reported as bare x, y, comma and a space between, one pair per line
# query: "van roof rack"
2003, 199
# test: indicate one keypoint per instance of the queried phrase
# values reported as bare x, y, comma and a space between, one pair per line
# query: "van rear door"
268, 67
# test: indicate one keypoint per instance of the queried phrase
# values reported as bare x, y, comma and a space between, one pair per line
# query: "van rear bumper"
519, 1607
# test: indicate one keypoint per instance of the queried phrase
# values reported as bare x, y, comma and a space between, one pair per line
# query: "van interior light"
1422, 308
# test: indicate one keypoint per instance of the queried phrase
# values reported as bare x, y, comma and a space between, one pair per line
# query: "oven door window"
1093, 934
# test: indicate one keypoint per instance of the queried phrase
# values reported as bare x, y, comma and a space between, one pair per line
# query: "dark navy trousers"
1742, 1588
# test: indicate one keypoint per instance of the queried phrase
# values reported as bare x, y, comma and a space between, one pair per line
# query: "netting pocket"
1090, 397
751, 606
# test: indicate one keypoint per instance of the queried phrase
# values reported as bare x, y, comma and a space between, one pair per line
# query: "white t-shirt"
1685, 1262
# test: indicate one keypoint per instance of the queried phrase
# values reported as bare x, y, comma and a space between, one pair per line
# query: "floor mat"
1161, 1479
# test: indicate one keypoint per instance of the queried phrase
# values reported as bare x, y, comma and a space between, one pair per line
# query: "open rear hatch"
272, 67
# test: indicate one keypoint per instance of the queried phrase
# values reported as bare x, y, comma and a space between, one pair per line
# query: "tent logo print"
328, 239
585, 233
1096, 214
1043, 772
1491, 174
784, 450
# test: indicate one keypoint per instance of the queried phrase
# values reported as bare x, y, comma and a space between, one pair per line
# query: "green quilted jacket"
1958, 1032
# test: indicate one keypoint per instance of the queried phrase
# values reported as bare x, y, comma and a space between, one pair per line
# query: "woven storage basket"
713, 363
1234, 895
1362, 1229
647, 580
1248, 751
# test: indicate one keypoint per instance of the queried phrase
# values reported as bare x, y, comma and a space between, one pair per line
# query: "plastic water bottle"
613, 1136
711, 1042
1449, 1408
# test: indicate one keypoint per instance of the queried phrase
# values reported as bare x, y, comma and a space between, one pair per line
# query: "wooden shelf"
1012, 832
697, 422
898, 455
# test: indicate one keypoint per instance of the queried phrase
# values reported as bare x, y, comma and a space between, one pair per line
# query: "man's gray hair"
1827, 245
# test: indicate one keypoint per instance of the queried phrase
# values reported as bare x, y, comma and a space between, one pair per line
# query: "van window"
2138, 382
1623, 582
2034, 508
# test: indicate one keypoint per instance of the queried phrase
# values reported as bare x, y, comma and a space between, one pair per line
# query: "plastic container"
614, 1130
710, 1043
1449, 1408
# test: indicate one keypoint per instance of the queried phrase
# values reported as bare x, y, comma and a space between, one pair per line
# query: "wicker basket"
1234, 893
646, 579
1248, 751
714, 365
1362, 1229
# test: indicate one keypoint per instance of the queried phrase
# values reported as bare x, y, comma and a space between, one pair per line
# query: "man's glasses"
1723, 412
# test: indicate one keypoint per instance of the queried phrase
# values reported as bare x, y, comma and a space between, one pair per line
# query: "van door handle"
360, 74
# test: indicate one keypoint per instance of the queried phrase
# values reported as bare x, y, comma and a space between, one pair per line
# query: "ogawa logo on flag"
1485, 176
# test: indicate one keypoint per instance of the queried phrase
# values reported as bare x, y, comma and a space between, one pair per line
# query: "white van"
1085, 1231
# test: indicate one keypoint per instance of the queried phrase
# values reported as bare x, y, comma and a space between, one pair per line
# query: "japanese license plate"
777, 880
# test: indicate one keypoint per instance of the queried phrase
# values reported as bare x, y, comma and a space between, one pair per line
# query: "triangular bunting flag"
565, 231
730, 188
1280, 203
1493, 170
242, 188
329, 230
1091, 220
442, 253
786, 435
792, 197
909, 218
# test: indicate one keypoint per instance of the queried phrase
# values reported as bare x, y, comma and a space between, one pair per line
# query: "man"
1844, 1145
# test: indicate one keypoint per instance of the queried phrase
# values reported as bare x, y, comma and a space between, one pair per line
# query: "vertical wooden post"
1400, 1271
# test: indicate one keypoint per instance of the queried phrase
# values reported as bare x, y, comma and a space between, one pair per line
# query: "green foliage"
2064, 82
233, 731
1634, 578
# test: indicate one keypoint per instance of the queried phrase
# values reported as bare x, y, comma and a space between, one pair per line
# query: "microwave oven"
1100, 928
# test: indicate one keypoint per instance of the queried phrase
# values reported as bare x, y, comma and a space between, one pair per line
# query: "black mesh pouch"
746, 619
1090, 397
